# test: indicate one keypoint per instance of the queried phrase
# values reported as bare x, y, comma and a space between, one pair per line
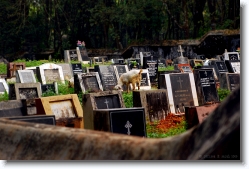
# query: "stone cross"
128, 125
180, 50
106, 102
180, 81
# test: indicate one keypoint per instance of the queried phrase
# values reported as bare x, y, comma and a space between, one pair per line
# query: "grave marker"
87, 82
181, 59
12, 108
128, 121
181, 91
205, 86
233, 66
67, 70
150, 63
66, 108
48, 73
25, 76
3, 86
107, 76
84, 56
12, 67
145, 80
155, 103
230, 55
24, 91
50, 87
101, 100
161, 64
185, 68
219, 67
230, 81
71, 55
41, 119
77, 68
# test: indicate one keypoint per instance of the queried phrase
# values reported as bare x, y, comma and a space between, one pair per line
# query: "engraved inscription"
51, 75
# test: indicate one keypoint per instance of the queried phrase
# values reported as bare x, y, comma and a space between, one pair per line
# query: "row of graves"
189, 91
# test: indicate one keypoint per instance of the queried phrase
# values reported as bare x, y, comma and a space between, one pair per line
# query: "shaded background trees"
35, 26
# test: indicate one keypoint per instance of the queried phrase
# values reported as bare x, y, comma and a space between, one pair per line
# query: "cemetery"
121, 80
175, 101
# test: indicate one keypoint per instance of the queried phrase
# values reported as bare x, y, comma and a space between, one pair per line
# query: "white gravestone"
25, 76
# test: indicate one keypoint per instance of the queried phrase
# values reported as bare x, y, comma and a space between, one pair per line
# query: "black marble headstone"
107, 102
219, 67
12, 108
107, 76
121, 69
150, 63
128, 121
144, 80
205, 86
84, 55
91, 84
77, 68
181, 91
42, 119
48, 87
230, 81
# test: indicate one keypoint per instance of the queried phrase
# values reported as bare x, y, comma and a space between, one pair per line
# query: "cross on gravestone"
106, 102
180, 81
221, 66
180, 50
128, 125
205, 73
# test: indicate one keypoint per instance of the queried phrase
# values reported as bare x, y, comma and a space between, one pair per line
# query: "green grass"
3, 68
128, 99
223, 93
4, 97
166, 68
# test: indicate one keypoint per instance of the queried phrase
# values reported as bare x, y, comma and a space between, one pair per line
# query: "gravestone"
142, 55
119, 70
50, 88
181, 59
155, 103
12, 108
48, 73
41, 119
161, 64
181, 91
161, 78
230, 55
205, 86
3, 86
195, 115
66, 108
67, 70
145, 80
87, 82
230, 81
219, 67
185, 68
25, 76
12, 67
233, 66
24, 91
216, 77
128, 121
71, 55
84, 55
107, 76
150, 63
118, 61
33, 68
77, 68
101, 100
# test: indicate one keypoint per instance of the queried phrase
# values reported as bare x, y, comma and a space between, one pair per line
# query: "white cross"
128, 125
106, 102
221, 66
205, 73
180, 50
180, 81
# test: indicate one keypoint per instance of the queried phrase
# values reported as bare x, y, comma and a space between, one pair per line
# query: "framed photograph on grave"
48, 73
145, 80
3, 86
185, 68
87, 82
25, 76
41, 119
181, 91
64, 107
128, 121
24, 91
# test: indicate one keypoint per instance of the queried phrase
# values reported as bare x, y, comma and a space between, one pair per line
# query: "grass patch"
128, 99
4, 97
223, 93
